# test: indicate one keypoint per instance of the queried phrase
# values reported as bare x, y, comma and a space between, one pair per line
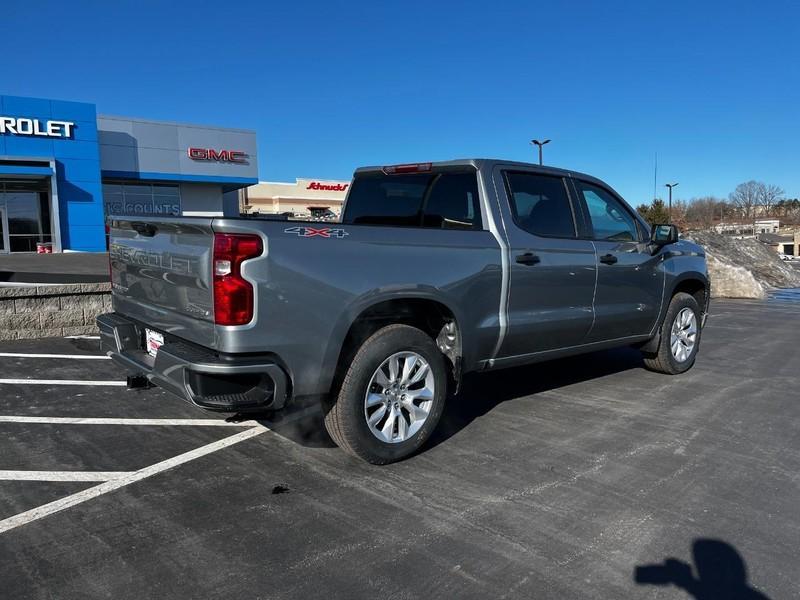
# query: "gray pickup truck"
435, 270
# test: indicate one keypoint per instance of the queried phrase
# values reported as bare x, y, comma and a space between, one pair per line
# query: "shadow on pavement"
482, 392
308, 431
721, 573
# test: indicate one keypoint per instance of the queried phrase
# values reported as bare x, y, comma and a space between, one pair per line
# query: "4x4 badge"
325, 232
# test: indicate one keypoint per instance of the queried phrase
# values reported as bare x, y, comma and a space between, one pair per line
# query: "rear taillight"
412, 168
233, 295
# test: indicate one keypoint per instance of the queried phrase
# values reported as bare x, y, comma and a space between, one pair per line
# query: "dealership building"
63, 168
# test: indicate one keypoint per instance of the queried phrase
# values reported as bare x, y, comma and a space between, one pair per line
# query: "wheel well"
432, 317
693, 287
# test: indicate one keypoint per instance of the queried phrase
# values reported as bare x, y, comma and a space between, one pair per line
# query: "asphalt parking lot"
583, 478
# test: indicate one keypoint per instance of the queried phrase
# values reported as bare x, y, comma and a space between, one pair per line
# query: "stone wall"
52, 310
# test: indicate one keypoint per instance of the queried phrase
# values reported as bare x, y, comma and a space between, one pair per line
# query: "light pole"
670, 186
540, 144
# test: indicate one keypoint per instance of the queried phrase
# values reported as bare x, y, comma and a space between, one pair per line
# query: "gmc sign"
229, 156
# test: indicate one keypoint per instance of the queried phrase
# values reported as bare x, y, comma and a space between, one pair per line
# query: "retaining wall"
52, 310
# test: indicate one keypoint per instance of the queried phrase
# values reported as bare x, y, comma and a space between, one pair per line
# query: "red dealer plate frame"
153, 340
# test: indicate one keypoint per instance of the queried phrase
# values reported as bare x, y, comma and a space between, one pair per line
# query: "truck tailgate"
161, 274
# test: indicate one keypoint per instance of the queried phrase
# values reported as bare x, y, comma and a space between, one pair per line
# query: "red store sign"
336, 187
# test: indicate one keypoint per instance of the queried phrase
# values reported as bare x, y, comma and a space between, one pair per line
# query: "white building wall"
297, 197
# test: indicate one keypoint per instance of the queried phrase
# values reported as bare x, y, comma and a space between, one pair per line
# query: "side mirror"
661, 235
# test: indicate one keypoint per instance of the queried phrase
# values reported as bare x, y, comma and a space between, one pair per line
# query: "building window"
141, 199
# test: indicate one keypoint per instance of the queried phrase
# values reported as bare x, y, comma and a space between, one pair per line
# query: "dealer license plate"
153, 341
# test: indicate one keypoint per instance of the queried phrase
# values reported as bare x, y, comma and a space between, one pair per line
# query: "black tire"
345, 419
663, 361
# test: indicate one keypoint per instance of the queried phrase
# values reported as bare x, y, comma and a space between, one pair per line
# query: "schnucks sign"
328, 187
35, 127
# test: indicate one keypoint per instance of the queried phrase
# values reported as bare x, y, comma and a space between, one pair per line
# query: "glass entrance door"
3, 231
26, 214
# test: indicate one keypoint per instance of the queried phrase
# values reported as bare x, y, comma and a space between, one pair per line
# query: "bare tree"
745, 198
768, 197
789, 210
680, 210
702, 212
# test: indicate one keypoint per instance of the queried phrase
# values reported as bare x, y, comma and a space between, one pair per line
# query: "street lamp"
540, 144
670, 186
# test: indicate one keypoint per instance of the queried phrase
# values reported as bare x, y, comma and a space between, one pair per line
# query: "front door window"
610, 220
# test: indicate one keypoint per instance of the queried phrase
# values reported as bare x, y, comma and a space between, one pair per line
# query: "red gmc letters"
231, 156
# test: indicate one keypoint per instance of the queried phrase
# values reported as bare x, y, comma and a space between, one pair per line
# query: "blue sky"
713, 87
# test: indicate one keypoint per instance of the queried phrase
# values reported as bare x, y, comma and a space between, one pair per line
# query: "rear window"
432, 200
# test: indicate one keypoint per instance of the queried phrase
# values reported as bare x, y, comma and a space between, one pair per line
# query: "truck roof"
478, 163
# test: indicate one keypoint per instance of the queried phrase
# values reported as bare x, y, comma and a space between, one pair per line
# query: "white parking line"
111, 421
70, 356
62, 475
109, 486
121, 479
60, 382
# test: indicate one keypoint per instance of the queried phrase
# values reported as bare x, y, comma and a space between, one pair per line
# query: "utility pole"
670, 186
655, 176
540, 144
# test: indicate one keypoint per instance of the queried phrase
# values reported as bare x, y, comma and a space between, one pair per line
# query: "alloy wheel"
399, 397
683, 337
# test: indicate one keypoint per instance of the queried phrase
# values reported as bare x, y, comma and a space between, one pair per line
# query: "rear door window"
432, 200
453, 203
541, 205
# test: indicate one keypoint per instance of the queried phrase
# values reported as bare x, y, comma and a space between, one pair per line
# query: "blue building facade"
63, 170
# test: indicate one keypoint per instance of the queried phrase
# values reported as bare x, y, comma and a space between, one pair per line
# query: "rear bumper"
208, 379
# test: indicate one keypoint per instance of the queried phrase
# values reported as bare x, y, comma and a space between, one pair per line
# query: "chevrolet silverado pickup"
435, 270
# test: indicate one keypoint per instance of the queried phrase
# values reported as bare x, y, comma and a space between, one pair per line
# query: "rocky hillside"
743, 268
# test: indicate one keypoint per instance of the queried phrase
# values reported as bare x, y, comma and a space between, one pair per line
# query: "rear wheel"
392, 396
680, 337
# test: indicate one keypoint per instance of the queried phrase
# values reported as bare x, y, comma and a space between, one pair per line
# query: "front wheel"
680, 337
392, 396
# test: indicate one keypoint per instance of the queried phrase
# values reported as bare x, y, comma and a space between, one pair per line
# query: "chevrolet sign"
35, 127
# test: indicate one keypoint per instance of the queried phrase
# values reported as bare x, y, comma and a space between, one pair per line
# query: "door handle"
529, 258
608, 259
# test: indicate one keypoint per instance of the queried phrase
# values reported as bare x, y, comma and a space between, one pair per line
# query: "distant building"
743, 228
64, 170
305, 198
788, 244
